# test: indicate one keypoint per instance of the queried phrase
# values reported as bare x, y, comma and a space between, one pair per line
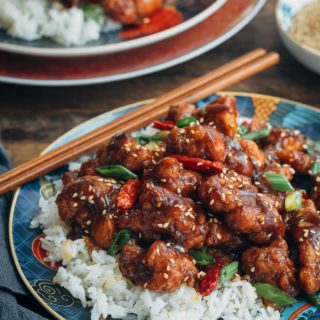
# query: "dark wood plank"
31, 117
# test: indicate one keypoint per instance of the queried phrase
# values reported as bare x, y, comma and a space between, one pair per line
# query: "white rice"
97, 282
36, 19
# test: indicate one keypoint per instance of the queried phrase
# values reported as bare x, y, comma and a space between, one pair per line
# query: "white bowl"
285, 11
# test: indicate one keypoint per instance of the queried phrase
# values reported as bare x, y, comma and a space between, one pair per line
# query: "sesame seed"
178, 190
86, 231
210, 190
172, 261
168, 244
135, 155
88, 222
165, 275
166, 225
219, 236
211, 202
145, 285
187, 140
75, 205
193, 228
253, 269
163, 180
200, 164
300, 240
74, 195
168, 267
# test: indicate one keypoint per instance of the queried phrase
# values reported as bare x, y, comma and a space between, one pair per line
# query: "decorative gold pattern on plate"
54, 294
264, 107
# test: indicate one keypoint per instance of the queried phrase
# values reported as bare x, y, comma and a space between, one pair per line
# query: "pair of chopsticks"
200, 88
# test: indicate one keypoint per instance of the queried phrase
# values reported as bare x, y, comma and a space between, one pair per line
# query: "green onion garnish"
257, 135
184, 122
315, 169
273, 294
242, 130
314, 299
293, 201
313, 147
116, 171
92, 11
201, 257
228, 272
279, 182
160, 136
118, 242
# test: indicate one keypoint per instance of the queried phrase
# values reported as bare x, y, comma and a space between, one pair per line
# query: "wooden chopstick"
219, 79
175, 94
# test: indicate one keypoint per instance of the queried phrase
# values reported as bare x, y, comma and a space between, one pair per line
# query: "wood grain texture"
32, 117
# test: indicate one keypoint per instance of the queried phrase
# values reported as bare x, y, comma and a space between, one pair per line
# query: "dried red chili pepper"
163, 125
128, 194
209, 282
198, 164
303, 193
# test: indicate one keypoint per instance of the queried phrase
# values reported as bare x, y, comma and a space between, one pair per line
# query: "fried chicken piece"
243, 209
208, 143
164, 213
306, 233
287, 145
220, 236
271, 265
131, 264
124, 150
222, 114
85, 198
169, 174
103, 230
130, 12
162, 268
180, 111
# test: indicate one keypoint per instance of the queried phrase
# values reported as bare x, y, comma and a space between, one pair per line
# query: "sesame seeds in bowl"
299, 27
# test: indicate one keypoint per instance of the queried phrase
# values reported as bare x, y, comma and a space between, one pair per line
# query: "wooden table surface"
32, 117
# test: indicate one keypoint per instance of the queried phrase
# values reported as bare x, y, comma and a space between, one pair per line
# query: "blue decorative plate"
193, 12
25, 245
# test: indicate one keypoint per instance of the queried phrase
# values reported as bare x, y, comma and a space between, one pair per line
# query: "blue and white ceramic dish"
193, 11
285, 11
24, 241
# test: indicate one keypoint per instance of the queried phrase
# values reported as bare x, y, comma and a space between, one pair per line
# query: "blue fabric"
15, 301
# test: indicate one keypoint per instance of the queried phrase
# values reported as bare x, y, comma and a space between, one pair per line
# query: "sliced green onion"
257, 135
293, 201
201, 257
313, 147
121, 238
92, 11
315, 169
314, 299
242, 130
279, 182
116, 171
273, 294
184, 122
160, 136
228, 272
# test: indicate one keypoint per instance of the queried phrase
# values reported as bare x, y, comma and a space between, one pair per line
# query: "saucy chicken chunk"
161, 268
85, 198
222, 114
164, 213
242, 207
220, 236
180, 111
169, 174
288, 146
271, 265
208, 143
131, 11
306, 233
